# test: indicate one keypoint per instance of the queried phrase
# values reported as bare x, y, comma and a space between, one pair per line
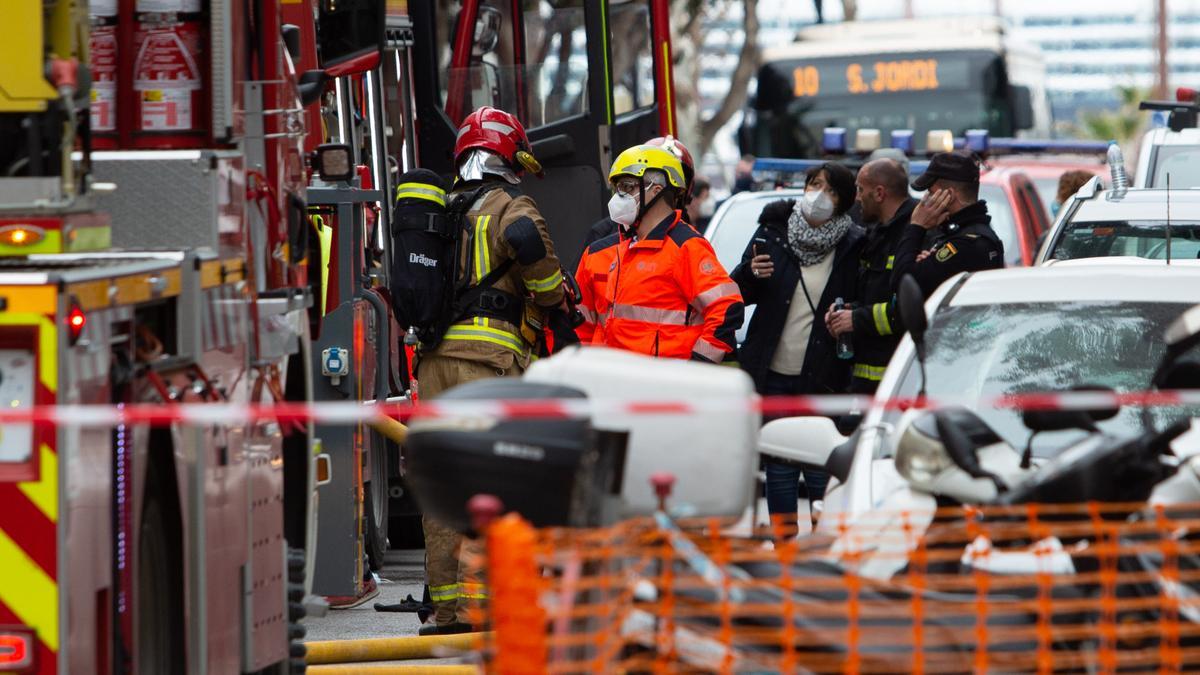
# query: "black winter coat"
823, 372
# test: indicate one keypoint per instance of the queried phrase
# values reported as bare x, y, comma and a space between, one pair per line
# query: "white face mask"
816, 207
706, 208
623, 209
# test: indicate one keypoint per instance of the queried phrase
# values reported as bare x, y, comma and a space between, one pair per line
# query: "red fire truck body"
169, 267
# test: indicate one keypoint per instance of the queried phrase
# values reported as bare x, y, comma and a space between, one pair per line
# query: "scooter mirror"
1184, 332
911, 303
1180, 336
1056, 420
808, 440
1183, 375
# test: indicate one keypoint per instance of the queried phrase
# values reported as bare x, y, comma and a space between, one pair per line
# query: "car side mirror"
808, 440
291, 40
311, 86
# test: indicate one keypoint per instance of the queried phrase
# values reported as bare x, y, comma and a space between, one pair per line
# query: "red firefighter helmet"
492, 129
672, 145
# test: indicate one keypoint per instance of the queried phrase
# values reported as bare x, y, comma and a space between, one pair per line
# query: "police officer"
882, 191
952, 211
511, 280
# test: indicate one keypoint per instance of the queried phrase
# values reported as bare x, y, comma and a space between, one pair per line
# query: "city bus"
918, 75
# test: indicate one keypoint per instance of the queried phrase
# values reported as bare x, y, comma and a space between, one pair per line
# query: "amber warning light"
21, 235
16, 651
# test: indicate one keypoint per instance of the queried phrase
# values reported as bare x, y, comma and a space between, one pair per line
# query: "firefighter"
600, 253
511, 278
882, 187
666, 294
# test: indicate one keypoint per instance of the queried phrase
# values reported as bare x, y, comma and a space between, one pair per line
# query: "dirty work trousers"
451, 587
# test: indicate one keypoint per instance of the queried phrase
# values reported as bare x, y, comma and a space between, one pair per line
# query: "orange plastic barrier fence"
1045, 589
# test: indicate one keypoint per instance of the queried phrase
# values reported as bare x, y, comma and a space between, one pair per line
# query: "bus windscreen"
921, 91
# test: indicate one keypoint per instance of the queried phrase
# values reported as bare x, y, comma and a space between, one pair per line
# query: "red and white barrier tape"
352, 413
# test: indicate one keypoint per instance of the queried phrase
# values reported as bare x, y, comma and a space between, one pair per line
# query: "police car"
1000, 332
1150, 223
1173, 145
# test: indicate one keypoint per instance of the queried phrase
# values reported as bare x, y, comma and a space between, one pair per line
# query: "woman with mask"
802, 258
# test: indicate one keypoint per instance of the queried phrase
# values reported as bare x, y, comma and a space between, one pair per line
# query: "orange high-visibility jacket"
598, 261
669, 296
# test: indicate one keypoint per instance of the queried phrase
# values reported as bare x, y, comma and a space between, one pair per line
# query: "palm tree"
1124, 124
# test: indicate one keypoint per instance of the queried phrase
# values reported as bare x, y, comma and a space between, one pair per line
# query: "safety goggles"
627, 186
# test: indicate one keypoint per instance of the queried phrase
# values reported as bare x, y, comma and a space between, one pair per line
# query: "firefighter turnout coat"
504, 225
667, 295
876, 332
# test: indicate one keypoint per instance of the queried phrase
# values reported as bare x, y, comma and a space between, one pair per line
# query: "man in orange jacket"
665, 293
601, 251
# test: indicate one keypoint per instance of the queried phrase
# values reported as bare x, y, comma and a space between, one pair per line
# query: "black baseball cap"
954, 166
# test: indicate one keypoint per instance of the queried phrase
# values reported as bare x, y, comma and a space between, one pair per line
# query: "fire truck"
156, 247
585, 78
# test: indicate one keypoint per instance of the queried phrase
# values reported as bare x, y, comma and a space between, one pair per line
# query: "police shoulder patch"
946, 252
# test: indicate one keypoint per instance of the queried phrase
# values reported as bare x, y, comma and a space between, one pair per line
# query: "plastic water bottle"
1116, 164
845, 343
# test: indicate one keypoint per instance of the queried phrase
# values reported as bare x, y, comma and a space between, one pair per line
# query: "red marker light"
1185, 95
76, 320
16, 651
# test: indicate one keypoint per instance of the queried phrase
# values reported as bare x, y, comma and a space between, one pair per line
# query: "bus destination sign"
859, 76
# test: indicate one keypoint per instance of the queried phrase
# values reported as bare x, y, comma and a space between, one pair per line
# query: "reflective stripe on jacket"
669, 296
599, 259
503, 225
876, 326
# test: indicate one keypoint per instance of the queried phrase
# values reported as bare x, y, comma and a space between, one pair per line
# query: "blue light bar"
783, 167
1034, 145
833, 140
902, 139
977, 140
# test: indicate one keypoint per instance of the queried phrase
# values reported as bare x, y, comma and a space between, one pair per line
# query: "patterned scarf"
812, 244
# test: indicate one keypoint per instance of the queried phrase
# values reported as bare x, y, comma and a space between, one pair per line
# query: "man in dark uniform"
882, 190
952, 211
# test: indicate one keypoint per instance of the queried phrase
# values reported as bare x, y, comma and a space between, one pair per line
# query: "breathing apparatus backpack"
424, 246
428, 229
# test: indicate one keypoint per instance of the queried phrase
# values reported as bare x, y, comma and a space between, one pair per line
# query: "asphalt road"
403, 574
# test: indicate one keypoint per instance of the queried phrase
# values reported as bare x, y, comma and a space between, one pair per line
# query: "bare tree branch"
739, 83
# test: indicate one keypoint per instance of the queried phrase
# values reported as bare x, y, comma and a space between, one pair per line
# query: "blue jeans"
783, 479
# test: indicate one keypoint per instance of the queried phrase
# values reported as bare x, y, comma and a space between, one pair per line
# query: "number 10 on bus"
886, 76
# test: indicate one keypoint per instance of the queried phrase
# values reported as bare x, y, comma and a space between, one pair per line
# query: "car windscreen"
982, 351
731, 234
1003, 221
1181, 162
1140, 238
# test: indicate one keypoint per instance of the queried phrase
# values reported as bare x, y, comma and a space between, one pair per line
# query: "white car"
1164, 151
1098, 223
1017, 330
